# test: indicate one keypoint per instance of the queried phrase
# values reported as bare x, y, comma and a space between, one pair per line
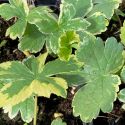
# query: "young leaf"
26, 109
32, 77
107, 7
18, 9
122, 35
32, 40
101, 64
58, 121
66, 41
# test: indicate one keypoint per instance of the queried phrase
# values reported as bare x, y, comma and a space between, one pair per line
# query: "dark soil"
57, 106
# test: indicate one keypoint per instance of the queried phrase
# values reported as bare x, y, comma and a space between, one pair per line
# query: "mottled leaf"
32, 77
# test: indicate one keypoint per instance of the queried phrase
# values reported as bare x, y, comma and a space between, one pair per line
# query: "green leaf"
68, 67
26, 109
66, 41
18, 9
123, 74
58, 121
67, 12
73, 79
32, 40
121, 95
107, 7
31, 77
54, 27
98, 23
66, 20
81, 7
45, 21
77, 24
101, 63
122, 35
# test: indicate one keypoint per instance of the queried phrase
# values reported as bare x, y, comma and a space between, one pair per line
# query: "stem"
27, 53
35, 111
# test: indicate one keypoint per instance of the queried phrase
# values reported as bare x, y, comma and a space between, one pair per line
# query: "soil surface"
57, 106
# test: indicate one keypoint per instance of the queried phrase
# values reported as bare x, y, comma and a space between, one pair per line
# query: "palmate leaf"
18, 9
101, 63
32, 77
107, 7
32, 40
58, 121
26, 109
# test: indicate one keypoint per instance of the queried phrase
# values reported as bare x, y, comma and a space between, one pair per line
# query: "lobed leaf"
18, 9
33, 40
98, 22
26, 109
107, 7
32, 76
101, 63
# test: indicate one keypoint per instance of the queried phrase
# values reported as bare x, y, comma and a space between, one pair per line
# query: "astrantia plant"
82, 59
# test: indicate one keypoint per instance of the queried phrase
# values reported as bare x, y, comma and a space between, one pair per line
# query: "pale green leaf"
58, 121
18, 9
101, 63
122, 35
123, 74
32, 40
26, 109
66, 41
98, 22
107, 7
33, 76
121, 95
